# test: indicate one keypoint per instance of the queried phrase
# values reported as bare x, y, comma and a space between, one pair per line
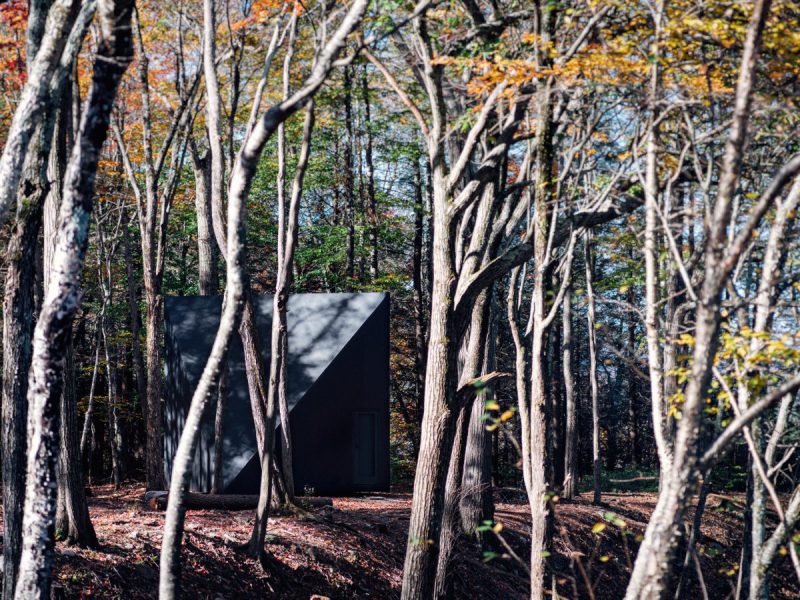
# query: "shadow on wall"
345, 333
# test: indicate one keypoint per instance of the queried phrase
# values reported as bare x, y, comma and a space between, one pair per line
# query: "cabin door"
365, 459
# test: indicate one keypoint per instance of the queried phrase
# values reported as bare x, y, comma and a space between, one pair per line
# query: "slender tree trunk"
570, 486
111, 412
438, 421
536, 454
87, 419
651, 320
476, 502
154, 423
653, 567
349, 182
77, 524
51, 336
17, 333
372, 211
419, 298
590, 326
287, 239
72, 516
280, 349
556, 410
208, 277
134, 318
208, 282
632, 389
451, 526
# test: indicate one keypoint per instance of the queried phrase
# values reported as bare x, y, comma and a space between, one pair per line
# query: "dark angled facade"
338, 391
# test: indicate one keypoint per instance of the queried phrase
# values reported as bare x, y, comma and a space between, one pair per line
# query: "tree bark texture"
51, 335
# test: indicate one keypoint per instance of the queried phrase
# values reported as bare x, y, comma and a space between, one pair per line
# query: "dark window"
364, 441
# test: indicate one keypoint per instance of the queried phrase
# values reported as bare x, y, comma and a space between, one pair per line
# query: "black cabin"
338, 391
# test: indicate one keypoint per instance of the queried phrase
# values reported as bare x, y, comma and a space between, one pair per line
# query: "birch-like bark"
762, 323
287, 240
87, 419
590, 327
654, 563
213, 117
18, 308
419, 302
372, 206
242, 175
652, 325
208, 277
349, 179
19, 286
280, 332
51, 335
17, 333
34, 99
73, 522
570, 485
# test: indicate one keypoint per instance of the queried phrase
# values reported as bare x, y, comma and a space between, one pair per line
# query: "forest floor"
355, 549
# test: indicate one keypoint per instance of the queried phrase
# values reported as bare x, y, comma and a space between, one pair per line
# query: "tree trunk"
50, 76
632, 389
570, 486
287, 239
451, 526
349, 182
87, 419
280, 349
17, 332
77, 525
653, 567
134, 318
111, 410
154, 423
72, 516
472, 353
590, 326
419, 298
438, 421
51, 336
372, 210
208, 278
652, 271
536, 453
476, 502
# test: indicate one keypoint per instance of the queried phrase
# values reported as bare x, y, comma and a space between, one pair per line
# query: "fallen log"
158, 501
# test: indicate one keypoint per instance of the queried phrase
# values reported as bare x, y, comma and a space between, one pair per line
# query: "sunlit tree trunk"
51, 336
590, 328
570, 486
654, 563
